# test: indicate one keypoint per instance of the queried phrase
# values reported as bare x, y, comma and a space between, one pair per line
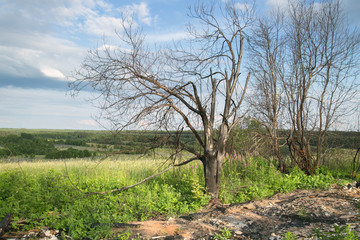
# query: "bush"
339, 233
69, 153
256, 177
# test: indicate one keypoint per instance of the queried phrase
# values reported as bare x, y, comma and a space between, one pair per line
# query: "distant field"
126, 142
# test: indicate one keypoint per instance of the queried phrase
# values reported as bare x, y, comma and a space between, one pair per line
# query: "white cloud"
166, 37
52, 72
15, 61
102, 25
114, 48
34, 33
36, 108
68, 16
141, 11
241, 6
277, 3
38, 55
88, 122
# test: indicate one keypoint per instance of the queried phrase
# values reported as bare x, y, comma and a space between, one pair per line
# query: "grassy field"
55, 193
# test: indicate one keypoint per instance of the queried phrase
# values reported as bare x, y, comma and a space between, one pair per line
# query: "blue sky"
42, 41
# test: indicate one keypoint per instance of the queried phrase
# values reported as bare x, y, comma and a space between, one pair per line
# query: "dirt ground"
298, 212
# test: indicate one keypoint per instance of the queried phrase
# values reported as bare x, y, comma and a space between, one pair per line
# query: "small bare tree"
304, 65
267, 67
323, 61
199, 81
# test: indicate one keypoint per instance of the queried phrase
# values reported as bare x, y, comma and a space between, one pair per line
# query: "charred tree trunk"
5, 223
213, 169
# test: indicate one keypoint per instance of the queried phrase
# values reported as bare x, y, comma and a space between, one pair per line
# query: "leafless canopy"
197, 84
306, 63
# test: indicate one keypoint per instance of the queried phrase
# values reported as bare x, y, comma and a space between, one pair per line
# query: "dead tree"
196, 85
267, 67
305, 60
322, 57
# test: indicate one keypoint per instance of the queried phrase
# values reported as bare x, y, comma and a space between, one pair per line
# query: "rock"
346, 216
273, 236
238, 232
250, 206
327, 214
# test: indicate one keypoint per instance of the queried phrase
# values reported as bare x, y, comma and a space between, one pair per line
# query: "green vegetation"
224, 234
49, 143
339, 233
29, 146
25, 144
56, 193
69, 153
256, 178
245, 140
289, 236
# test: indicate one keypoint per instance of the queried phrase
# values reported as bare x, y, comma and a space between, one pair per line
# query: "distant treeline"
127, 142
29, 145
334, 139
44, 142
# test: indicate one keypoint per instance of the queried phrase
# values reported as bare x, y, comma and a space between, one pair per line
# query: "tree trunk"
212, 172
5, 223
281, 166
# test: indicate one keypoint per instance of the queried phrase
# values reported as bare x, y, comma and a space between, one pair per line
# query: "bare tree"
304, 65
268, 63
322, 66
199, 81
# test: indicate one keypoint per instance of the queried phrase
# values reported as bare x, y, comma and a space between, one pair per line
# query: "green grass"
54, 193
256, 178
339, 162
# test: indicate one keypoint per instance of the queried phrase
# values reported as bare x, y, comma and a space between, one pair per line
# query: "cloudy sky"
43, 41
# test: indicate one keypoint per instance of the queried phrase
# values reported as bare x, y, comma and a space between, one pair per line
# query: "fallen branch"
144, 180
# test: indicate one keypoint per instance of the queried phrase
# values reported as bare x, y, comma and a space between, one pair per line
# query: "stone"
250, 206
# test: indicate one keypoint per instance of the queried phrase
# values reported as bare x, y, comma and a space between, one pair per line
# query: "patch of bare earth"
298, 212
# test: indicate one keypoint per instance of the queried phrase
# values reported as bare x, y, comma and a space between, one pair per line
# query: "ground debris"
298, 212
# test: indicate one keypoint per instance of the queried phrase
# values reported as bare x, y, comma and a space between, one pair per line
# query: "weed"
224, 234
260, 178
124, 235
289, 236
303, 213
339, 233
